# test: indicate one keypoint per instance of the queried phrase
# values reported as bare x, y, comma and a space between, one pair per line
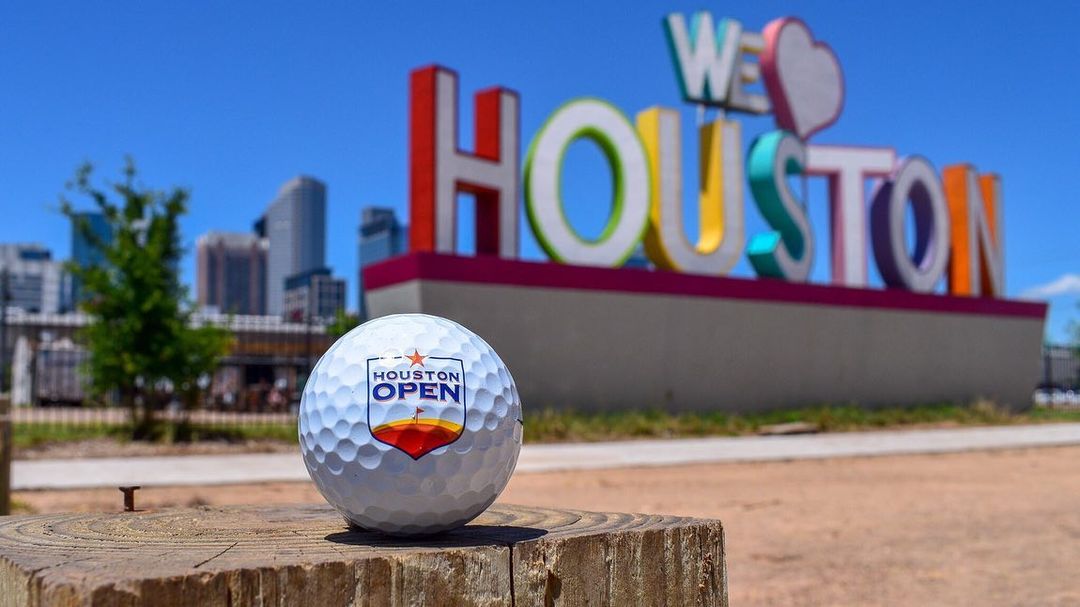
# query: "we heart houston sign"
783, 71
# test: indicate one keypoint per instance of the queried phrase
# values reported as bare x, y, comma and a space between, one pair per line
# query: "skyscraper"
295, 228
36, 283
381, 237
230, 272
84, 251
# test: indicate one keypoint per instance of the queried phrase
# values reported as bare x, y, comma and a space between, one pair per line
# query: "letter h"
439, 170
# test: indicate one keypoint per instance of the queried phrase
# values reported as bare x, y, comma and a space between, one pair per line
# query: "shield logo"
416, 403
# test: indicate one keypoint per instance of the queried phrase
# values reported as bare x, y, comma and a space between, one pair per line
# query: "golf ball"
410, 424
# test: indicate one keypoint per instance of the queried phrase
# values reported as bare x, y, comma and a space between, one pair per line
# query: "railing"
5, 456
1060, 368
99, 431
115, 416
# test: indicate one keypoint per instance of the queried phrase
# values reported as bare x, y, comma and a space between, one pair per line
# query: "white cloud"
1066, 284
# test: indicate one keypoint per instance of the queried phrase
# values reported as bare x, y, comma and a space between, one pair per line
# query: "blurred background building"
35, 281
230, 272
313, 295
381, 237
295, 228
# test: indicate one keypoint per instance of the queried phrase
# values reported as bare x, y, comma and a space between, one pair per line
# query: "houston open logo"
783, 71
416, 403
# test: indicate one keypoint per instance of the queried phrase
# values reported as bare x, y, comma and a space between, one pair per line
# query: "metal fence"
116, 416
256, 385
1060, 368
63, 431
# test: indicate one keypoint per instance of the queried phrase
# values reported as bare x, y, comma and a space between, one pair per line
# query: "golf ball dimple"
410, 424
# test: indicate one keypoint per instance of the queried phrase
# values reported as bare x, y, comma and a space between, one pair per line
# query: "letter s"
788, 250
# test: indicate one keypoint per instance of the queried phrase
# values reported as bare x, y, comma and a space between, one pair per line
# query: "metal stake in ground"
129, 497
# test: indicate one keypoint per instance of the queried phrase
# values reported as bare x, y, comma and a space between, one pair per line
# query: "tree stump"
305, 555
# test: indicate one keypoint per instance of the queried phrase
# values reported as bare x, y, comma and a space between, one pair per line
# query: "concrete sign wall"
595, 338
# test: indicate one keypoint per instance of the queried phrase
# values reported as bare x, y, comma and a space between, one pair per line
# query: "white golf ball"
410, 424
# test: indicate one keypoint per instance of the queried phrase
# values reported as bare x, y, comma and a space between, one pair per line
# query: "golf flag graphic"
416, 402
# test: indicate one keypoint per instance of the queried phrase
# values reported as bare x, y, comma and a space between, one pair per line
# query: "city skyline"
231, 268
236, 133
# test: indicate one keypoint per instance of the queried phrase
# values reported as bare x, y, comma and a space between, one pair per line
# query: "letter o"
606, 126
376, 391
914, 180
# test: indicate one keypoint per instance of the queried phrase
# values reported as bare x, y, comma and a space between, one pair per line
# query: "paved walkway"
226, 469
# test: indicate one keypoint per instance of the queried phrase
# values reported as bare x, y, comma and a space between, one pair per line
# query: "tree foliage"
143, 346
343, 323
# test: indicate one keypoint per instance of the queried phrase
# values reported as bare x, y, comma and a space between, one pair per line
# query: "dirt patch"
986, 528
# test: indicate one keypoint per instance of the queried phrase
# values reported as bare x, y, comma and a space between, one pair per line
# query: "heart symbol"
802, 76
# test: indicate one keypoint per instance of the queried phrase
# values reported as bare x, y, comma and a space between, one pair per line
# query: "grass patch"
25, 436
550, 426
553, 426
235, 434
21, 507
34, 435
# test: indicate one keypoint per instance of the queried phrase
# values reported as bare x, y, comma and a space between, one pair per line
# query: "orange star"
416, 358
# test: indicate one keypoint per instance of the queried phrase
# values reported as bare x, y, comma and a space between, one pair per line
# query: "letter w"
704, 74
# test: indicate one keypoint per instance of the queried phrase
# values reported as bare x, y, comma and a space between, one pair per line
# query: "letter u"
720, 195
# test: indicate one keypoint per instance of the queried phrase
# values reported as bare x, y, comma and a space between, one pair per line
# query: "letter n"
976, 263
439, 170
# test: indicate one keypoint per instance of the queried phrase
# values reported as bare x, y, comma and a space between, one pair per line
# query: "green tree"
343, 323
143, 346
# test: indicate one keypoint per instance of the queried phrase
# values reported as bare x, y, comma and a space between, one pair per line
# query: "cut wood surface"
305, 555
5, 453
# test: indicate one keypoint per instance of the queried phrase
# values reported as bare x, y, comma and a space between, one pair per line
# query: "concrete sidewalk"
228, 469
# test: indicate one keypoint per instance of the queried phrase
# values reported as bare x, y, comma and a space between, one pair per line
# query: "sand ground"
986, 528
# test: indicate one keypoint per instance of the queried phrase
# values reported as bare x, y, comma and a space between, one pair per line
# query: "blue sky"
232, 99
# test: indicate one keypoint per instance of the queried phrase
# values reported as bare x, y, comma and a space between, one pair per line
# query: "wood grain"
5, 453
305, 555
